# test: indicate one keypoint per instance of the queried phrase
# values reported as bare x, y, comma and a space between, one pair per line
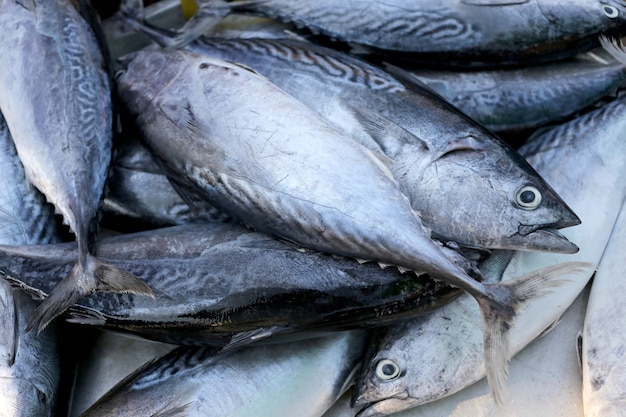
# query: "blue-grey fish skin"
29, 363
510, 99
302, 378
467, 32
220, 284
139, 195
56, 99
336, 86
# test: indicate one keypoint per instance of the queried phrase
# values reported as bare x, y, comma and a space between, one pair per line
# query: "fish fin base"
81, 281
507, 299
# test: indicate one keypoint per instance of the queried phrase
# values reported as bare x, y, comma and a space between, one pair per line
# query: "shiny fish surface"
304, 181
289, 379
603, 370
56, 100
584, 161
527, 97
466, 32
221, 284
430, 145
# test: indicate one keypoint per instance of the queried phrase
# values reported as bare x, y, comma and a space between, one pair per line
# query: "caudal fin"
82, 280
507, 300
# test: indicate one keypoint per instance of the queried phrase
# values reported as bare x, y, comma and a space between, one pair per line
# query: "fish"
583, 160
449, 33
302, 378
268, 160
139, 196
30, 365
430, 145
603, 371
56, 99
209, 291
518, 98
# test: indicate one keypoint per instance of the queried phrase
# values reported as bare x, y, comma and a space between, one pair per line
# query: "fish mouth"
543, 238
386, 407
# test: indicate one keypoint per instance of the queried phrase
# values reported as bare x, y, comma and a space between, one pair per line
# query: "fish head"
493, 199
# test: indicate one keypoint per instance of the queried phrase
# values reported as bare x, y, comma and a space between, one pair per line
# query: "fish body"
467, 32
583, 160
519, 98
431, 146
302, 378
268, 160
603, 370
139, 195
56, 100
209, 289
29, 364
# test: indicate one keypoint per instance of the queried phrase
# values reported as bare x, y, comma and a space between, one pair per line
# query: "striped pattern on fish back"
388, 26
303, 58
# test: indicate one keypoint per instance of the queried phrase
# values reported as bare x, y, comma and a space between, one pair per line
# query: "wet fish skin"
29, 364
445, 148
62, 128
589, 149
453, 32
510, 99
302, 378
208, 290
140, 197
290, 179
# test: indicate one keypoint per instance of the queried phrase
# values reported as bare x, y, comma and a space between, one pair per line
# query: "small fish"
603, 369
208, 289
590, 150
288, 379
450, 32
56, 100
140, 197
430, 145
508, 99
267, 159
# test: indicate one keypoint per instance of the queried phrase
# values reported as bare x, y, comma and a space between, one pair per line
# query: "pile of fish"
301, 208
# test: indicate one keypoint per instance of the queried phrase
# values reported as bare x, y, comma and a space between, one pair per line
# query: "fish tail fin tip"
81, 281
507, 299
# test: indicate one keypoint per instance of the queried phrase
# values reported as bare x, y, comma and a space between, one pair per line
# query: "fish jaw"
20, 397
386, 407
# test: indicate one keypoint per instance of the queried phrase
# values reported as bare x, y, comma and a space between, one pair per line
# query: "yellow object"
190, 7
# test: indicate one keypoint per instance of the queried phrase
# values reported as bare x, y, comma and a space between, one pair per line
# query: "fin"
245, 338
615, 47
507, 299
9, 331
390, 136
187, 196
168, 411
87, 317
493, 2
94, 276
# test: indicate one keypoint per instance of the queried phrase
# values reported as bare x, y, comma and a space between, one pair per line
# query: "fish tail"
85, 278
499, 310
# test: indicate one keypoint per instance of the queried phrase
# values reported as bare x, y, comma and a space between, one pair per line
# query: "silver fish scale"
387, 26
309, 61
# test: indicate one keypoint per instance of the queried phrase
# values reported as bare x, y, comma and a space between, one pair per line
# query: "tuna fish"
584, 161
303, 378
267, 159
450, 32
57, 103
208, 289
378, 110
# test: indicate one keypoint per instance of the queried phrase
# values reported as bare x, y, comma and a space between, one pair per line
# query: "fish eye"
387, 370
118, 74
528, 197
610, 11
